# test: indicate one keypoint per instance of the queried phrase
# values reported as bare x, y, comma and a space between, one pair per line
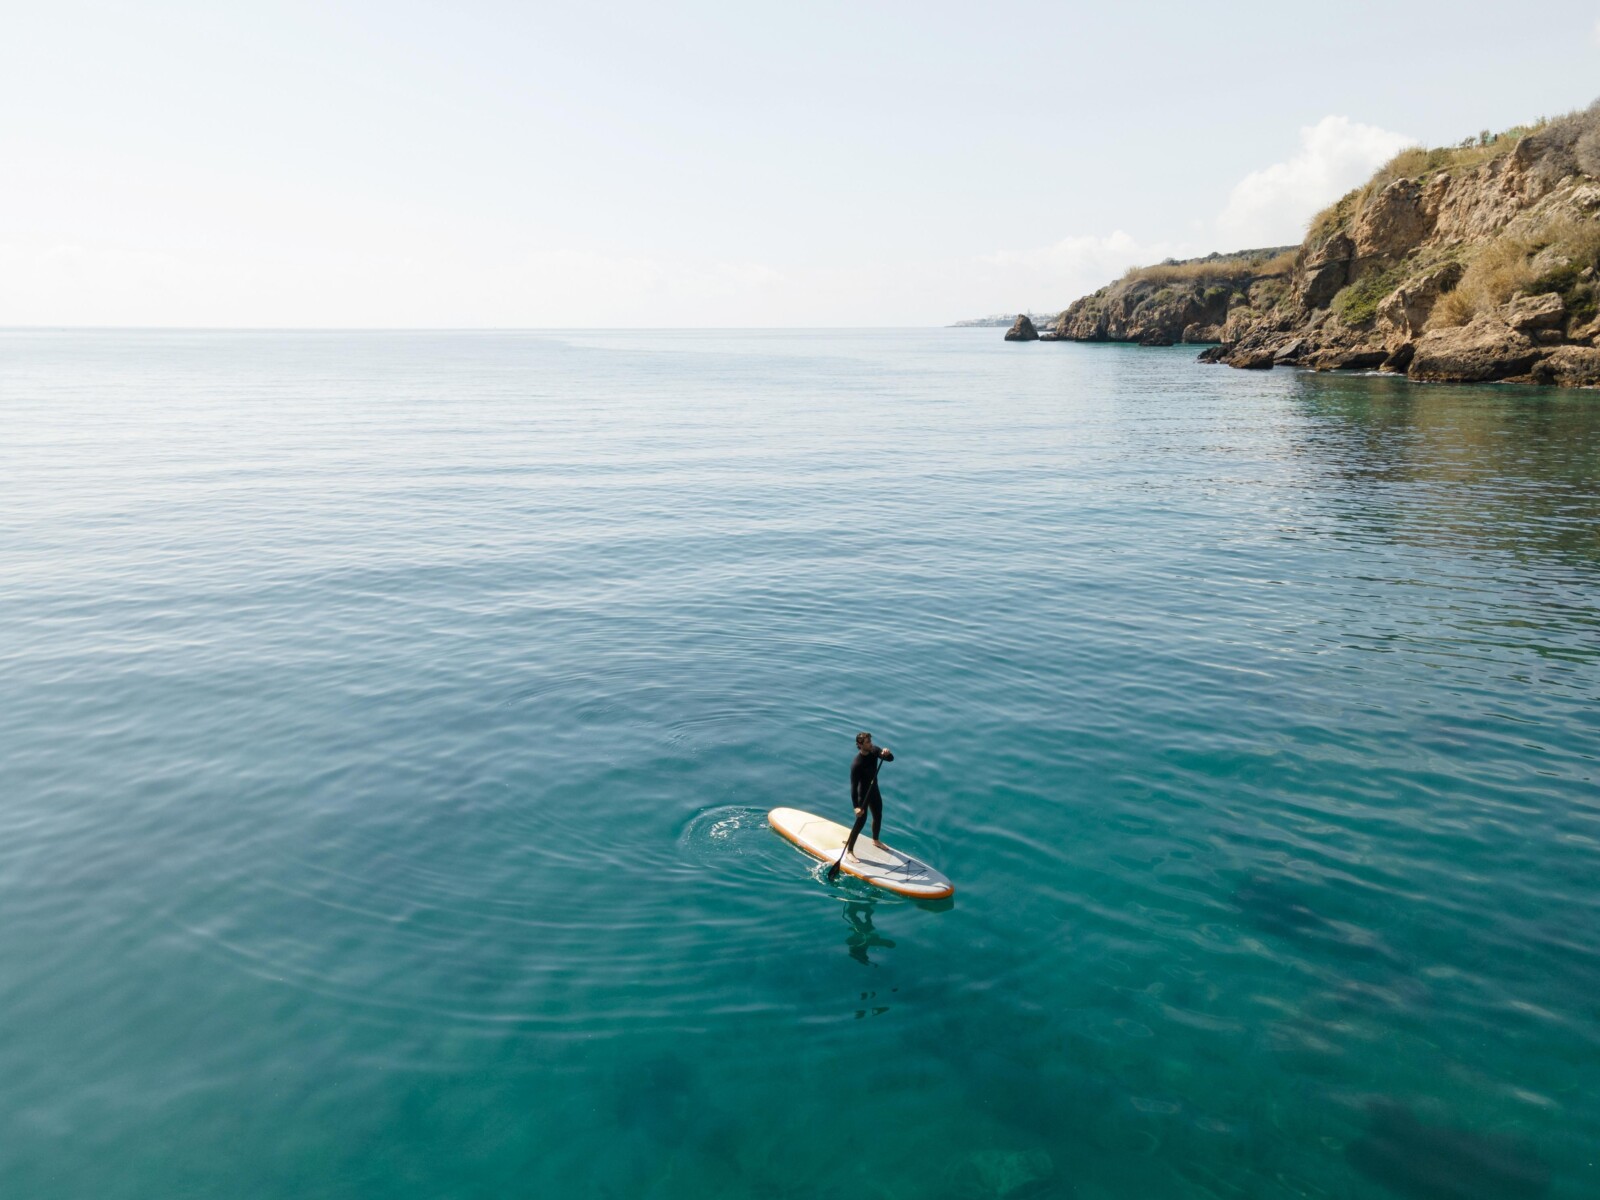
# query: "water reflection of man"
863, 936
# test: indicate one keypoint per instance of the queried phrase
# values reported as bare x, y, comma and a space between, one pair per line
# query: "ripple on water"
416, 700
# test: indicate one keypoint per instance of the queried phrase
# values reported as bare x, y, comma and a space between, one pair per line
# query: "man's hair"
862, 739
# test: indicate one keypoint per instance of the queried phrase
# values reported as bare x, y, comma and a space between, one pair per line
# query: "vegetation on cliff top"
1231, 269
1575, 136
1536, 255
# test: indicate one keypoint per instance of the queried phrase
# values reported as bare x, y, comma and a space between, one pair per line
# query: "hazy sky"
692, 164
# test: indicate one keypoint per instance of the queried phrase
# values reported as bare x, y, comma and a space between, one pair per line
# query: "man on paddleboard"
864, 794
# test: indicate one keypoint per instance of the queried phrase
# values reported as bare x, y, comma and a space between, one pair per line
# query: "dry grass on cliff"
1420, 162
1229, 269
1496, 272
1516, 263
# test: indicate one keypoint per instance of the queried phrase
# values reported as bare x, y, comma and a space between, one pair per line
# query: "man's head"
863, 741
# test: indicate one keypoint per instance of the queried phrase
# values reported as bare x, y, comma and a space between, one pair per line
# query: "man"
864, 794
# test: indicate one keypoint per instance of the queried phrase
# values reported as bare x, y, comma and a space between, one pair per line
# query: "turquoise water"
389, 720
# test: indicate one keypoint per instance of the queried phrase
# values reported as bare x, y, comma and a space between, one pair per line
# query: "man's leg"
877, 819
850, 842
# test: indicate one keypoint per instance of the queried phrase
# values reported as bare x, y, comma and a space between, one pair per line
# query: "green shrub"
1357, 304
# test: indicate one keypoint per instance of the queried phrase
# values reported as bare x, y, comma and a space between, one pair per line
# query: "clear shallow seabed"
388, 722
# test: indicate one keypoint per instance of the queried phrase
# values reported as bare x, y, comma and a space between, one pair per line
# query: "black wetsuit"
864, 794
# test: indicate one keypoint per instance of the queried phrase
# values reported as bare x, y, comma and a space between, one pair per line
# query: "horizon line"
461, 328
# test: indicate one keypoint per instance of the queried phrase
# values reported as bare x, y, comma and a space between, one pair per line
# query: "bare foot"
879, 844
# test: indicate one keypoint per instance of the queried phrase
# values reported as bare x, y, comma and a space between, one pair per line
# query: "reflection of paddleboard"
886, 868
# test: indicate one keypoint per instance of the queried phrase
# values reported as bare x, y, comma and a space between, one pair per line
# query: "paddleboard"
887, 868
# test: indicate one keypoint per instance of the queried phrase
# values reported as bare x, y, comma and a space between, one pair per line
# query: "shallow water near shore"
390, 719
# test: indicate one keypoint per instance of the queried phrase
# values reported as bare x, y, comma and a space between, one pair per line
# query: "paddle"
833, 871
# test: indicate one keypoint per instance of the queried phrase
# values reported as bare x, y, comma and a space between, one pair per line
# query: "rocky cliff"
1180, 301
1473, 262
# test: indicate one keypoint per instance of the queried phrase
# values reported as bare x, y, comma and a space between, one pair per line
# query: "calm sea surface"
388, 721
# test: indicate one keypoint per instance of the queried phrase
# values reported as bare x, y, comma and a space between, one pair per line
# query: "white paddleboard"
886, 868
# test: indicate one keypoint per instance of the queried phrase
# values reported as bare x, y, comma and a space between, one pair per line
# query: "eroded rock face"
1404, 312
1527, 314
1478, 203
1393, 223
1196, 333
1022, 330
1485, 349
1326, 270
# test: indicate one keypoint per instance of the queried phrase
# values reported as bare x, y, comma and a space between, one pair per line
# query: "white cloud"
1268, 207
1597, 33
1072, 266
1271, 206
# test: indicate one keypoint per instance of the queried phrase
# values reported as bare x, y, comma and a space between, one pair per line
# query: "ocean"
389, 720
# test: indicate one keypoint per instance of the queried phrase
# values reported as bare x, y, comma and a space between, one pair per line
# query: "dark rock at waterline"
1400, 358
1486, 348
1439, 1162
1251, 360
1349, 358
1290, 352
1215, 354
1022, 330
1570, 366
1156, 339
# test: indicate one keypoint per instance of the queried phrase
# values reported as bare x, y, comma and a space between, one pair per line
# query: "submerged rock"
1438, 1162
1005, 1175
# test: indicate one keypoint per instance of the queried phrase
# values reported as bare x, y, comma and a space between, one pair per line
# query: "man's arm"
883, 753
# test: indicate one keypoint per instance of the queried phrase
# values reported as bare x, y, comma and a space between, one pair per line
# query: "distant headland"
998, 321
1466, 263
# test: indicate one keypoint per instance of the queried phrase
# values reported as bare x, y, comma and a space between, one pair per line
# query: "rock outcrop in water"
1464, 264
1022, 330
